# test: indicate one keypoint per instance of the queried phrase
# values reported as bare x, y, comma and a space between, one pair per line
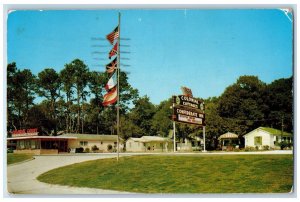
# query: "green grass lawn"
15, 158
181, 174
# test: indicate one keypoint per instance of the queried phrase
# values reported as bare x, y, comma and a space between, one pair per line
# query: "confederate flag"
110, 68
113, 51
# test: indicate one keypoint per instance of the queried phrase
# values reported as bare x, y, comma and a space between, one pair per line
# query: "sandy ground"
21, 177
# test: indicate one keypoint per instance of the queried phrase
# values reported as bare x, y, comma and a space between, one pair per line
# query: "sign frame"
188, 116
189, 102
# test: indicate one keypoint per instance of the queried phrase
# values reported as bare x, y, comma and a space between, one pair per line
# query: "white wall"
134, 146
102, 145
267, 139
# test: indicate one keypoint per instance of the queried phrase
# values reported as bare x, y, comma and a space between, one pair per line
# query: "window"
258, 141
33, 144
27, 144
83, 143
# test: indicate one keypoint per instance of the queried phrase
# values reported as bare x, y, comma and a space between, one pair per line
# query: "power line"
125, 65
125, 39
98, 52
99, 59
97, 39
100, 46
126, 52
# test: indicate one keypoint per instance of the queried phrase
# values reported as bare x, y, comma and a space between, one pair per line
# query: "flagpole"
174, 131
118, 91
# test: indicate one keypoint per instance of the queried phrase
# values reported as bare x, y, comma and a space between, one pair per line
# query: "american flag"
110, 68
113, 35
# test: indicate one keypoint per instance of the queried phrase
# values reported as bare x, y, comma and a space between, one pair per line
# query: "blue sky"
205, 50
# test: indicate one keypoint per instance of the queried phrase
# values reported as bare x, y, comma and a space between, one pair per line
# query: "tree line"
72, 103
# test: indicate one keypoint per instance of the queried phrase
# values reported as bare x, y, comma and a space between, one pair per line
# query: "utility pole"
281, 128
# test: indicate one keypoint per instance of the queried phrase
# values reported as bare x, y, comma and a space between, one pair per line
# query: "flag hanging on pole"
113, 51
110, 97
110, 68
113, 35
112, 82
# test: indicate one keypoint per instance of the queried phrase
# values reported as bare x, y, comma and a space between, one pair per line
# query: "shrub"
95, 148
10, 150
236, 149
283, 144
109, 147
79, 150
87, 150
266, 147
251, 148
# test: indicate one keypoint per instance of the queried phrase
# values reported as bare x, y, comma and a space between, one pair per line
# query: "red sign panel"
24, 133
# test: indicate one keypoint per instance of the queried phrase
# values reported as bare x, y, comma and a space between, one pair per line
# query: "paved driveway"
21, 178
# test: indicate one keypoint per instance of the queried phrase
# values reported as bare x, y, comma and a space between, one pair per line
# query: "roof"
229, 135
91, 136
272, 131
39, 137
151, 139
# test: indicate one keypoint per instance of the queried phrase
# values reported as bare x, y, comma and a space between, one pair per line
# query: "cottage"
229, 141
149, 144
103, 143
30, 141
268, 137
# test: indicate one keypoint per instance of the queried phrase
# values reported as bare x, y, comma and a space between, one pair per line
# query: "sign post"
190, 110
204, 150
174, 134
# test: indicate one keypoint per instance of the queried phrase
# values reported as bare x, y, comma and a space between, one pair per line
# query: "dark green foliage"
79, 150
141, 115
250, 103
49, 84
73, 103
109, 147
161, 122
243, 102
21, 87
279, 99
95, 148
